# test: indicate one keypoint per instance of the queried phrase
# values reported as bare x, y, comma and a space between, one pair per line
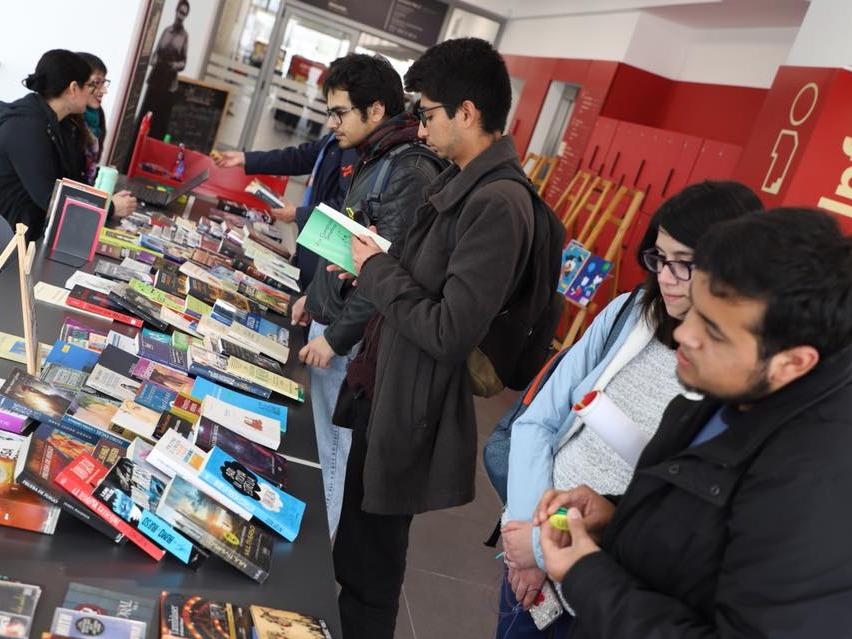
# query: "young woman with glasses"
37, 144
550, 448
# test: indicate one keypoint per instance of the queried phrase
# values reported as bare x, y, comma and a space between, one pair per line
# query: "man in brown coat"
438, 292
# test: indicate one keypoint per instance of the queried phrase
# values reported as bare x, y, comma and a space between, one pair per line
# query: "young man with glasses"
734, 523
366, 113
437, 296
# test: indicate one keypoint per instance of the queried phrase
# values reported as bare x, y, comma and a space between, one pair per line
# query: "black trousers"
369, 558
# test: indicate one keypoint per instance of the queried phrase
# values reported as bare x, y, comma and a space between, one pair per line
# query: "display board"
197, 114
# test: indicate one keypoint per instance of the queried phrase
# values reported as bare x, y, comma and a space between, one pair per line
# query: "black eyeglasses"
420, 112
336, 114
654, 262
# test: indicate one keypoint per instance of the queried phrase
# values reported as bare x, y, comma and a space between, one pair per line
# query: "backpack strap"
620, 321
386, 165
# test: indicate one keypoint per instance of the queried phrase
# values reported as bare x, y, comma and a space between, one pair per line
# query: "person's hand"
317, 352
123, 203
526, 583
363, 248
228, 159
286, 213
595, 510
298, 315
517, 542
562, 550
343, 275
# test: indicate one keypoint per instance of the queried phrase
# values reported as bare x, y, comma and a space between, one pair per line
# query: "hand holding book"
363, 248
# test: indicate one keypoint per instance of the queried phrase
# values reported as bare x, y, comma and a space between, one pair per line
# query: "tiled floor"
452, 581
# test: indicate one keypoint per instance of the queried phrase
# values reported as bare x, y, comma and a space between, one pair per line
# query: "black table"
302, 576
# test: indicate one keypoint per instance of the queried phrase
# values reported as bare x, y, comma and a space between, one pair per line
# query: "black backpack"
518, 341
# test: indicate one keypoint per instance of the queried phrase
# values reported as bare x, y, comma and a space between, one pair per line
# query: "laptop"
151, 195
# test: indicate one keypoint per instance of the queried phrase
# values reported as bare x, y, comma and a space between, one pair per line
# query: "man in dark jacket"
330, 168
365, 107
454, 272
735, 522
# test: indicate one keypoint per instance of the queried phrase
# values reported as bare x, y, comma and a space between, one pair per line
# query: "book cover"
63, 378
162, 352
137, 304
197, 307
118, 272
270, 623
163, 375
113, 384
80, 478
118, 360
275, 508
51, 449
157, 398
328, 233
128, 344
28, 395
100, 304
93, 410
204, 387
144, 487
573, 257
270, 465
179, 321
233, 349
193, 617
13, 422
258, 343
176, 456
14, 349
255, 427
17, 607
136, 418
90, 281
89, 334
170, 421
183, 341
263, 298
99, 601
588, 279
157, 296
187, 407
71, 356
147, 523
172, 283
214, 366
19, 506
256, 375
244, 545
77, 624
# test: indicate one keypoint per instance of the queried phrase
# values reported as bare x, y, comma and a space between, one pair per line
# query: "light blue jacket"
538, 431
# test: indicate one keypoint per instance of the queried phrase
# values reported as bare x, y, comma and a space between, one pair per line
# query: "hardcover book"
270, 465
244, 545
271, 505
100, 601
284, 624
255, 427
76, 624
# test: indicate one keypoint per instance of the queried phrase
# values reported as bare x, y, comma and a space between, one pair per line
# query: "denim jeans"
333, 442
516, 623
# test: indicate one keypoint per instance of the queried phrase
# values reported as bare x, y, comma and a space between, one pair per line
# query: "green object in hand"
559, 520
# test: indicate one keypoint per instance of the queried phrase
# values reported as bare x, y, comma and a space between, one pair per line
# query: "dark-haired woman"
550, 447
37, 144
92, 131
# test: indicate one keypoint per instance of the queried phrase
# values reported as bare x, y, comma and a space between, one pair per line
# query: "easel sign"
26, 255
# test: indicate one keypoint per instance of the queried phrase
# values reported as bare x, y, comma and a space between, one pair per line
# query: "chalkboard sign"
197, 114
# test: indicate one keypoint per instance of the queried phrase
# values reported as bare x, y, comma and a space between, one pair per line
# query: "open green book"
328, 233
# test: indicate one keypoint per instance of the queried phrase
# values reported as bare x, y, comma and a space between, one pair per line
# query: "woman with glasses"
550, 447
92, 131
37, 139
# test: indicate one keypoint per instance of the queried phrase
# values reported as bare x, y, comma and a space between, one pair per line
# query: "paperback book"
256, 375
18, 604
204, 387
99, 601
270, 623
215, 367
27, 395
100, 304
255, 427
78, 624
19, 506
275, 508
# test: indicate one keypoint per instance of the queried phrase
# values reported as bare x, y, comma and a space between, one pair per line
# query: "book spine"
218, 547
81, 491
105, 312
29, 479
230, 380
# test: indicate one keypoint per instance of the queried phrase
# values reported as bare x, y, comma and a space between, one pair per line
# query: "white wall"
104, 27
824, 39
658, 45
596, 37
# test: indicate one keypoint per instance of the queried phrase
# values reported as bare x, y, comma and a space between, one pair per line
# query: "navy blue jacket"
330, 183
